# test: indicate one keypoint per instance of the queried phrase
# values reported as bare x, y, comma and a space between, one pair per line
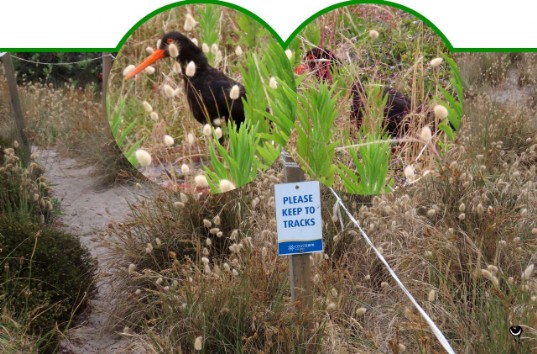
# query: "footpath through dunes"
86, 211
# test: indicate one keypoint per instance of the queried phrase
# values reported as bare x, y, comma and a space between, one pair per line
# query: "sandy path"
86, 212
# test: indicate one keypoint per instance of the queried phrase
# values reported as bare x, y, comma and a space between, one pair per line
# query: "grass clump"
207, 266
462, 240
46, 276
24, 193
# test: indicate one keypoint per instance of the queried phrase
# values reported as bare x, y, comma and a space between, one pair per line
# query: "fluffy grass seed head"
132, 268
218, 57
198, 343
190, 23
440, 111
436, 62
489, 276
331, 307
214, 48
218, 132
409, 172
289, 54
207, 223
201, 181
190, 138
373, 34
492, 268
147, 107
426, 134
238, 51
185, 169
168, 140
190, 69
528, 272
205, 48
361, 311
173, 50
207, 130
432, 295
143, 157
150, 70
234, 92
273, 83
226, 186
216, 220
154, 116
128, 69
168, 91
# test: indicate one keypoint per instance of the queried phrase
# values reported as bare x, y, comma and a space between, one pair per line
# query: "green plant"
239, 165
372, 168
314, 145
121, 135
452, 103
47, 275
209, 28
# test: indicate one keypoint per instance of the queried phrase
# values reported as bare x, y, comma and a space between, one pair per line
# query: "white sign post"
298, 218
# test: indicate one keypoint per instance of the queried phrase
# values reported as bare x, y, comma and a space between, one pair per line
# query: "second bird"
210, 93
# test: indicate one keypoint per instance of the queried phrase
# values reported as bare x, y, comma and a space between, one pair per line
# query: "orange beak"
157, 55
301, 69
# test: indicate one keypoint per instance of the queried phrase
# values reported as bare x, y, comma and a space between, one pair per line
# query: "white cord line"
433, 326
69, 63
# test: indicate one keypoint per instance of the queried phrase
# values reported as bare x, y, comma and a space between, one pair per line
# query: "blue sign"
298, 217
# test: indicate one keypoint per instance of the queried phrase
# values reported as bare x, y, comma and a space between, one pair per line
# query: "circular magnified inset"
201, 98
379, 100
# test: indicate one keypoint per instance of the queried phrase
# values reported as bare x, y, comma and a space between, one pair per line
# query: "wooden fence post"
107, 65
300, 275
24, 146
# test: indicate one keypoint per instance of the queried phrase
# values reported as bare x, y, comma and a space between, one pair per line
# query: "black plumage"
397, 107
208, 89
322, 62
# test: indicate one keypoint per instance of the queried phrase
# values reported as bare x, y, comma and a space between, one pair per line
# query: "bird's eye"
169, 40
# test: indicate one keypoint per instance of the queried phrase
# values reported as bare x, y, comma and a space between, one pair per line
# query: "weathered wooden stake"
299, 264
24, 146
107, 65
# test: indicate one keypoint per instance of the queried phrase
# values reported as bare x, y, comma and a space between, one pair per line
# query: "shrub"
46, 274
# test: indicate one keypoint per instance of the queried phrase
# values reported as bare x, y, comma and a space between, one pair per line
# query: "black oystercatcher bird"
322, 62
210, 93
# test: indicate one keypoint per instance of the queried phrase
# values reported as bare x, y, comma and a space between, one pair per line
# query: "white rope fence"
68, 63
439, 335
